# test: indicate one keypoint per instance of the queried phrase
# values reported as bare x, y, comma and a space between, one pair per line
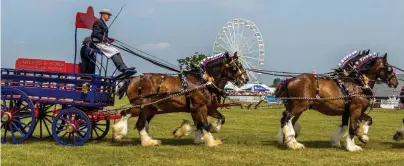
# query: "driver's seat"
88, 58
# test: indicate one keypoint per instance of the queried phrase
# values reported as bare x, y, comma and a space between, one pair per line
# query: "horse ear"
385, 57
226, 54
235, 56
367, 53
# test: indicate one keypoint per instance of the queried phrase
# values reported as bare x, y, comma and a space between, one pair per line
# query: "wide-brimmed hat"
106, 11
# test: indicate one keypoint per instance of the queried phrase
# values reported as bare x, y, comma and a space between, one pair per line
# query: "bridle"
236, 66
388, 69
225, 65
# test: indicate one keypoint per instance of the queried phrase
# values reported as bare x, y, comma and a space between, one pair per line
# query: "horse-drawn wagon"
40, 98
44, 98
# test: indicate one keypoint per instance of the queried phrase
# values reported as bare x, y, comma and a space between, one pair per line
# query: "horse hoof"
214, 129
295, 145
398, 136
299, 146
354, 148
214, 143
364, 139
151, 143
183, 130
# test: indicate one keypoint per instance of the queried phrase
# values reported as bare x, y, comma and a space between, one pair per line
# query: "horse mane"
207, 63
211, 63
352, 58
366, 60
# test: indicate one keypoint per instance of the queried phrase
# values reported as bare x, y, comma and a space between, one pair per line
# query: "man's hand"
110, 40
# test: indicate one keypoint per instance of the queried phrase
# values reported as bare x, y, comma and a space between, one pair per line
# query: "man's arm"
98, 31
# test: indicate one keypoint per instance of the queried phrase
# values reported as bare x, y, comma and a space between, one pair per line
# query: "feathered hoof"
364, 139
183, 130
214, 128
151, 142
354, 148
117, 134
294, 145
213, 143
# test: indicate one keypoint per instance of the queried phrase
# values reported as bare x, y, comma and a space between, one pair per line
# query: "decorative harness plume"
205, 77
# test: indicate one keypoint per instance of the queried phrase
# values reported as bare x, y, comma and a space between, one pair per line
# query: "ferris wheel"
242, 36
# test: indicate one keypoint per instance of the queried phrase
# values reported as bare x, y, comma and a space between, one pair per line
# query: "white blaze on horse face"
145, 139
351, 146
120, 129
338, 135
289, 136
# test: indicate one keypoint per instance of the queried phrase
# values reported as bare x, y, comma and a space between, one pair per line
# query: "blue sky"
299, 35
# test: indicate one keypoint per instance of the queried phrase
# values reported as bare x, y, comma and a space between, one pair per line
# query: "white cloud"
156, 46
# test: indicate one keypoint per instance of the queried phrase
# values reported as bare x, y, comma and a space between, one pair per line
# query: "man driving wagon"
101, 40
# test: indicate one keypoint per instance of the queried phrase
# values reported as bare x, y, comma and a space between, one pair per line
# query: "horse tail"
282, 89
122, 90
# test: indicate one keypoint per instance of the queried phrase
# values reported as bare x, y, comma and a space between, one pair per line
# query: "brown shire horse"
306, 85
223, 69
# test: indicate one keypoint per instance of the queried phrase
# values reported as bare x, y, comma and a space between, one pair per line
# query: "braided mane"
348, 58
365, 60
210, 61
356, 59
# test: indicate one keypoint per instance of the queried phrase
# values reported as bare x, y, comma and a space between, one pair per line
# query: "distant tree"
276, 82
192, 62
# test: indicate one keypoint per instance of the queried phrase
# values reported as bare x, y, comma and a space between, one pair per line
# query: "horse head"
225, 67
384, 71
235, 71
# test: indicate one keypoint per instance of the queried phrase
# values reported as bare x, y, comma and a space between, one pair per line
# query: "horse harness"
184, 85
344, 90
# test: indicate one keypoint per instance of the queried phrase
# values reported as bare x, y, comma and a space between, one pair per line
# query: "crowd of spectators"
248, 93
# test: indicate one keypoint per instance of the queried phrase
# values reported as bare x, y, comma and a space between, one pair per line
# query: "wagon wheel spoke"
47, 128
74, 138
81, 137
96, 133
12, 133
18, 129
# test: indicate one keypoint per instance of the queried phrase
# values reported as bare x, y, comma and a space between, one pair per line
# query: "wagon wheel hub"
70, 128
6, 117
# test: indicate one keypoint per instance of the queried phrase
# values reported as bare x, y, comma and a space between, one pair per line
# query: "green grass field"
248, 138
